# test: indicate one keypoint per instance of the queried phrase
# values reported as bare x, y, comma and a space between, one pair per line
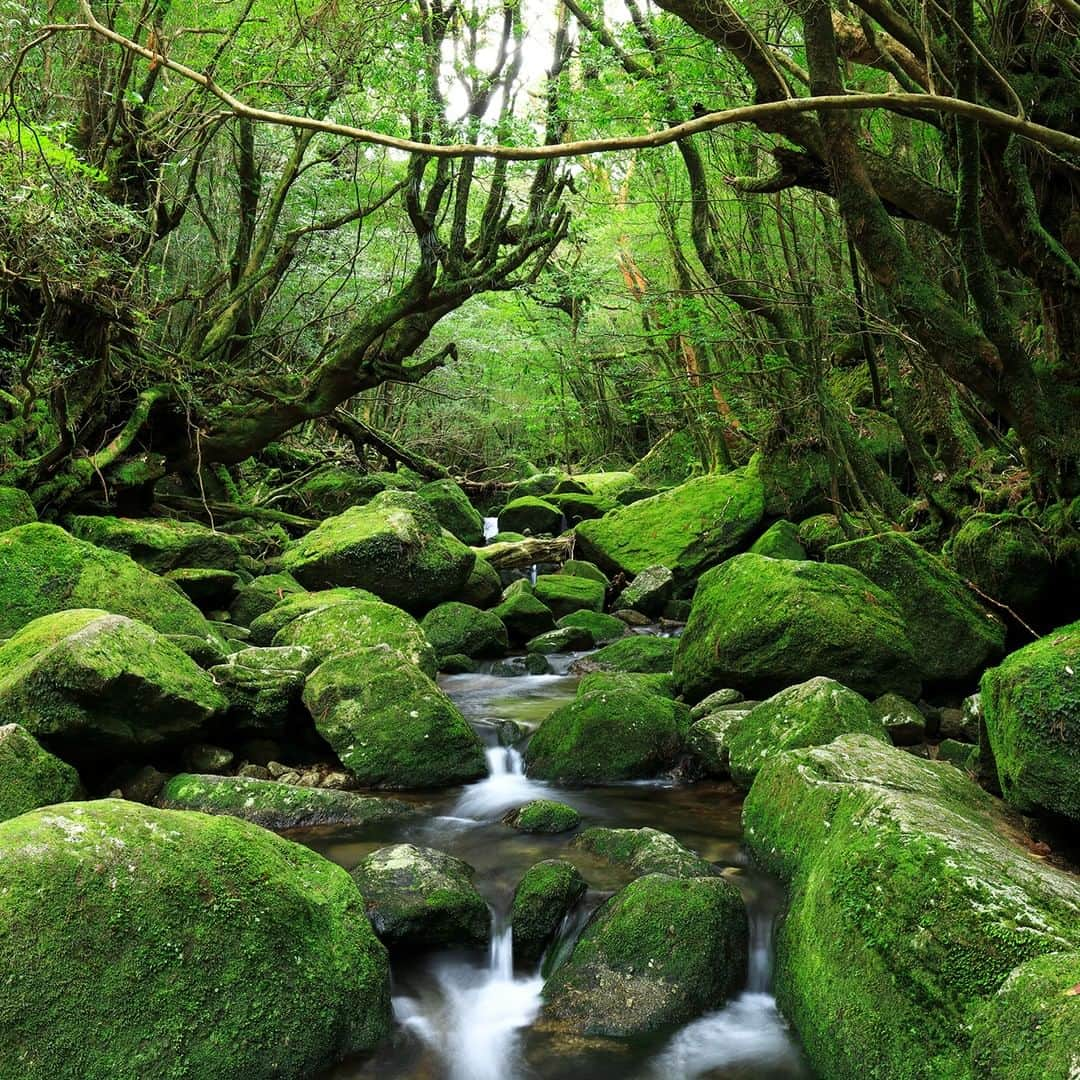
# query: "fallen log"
233, 511
514, 554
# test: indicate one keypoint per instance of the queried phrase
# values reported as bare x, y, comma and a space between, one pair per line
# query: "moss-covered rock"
543, 816
264, 628
263, 685
333, 490
524, 616
810, 714
1031, 710
538, 484
460, 628
910, 902
709, 740
561, 640
649, 592
604, 629
796, 480
761, 624
15, 508
586, 569
575, 508
565, 594
613, 682
44, 569
160, 544
658, 953
90, 685
953, 636
543, 898
645, 654
686, 529
1005, 556
278, 806
818, 533
644, 851
343, 628
718, 699
394, 547
602, 736
454, 511
779, 541
260, 595
608, 485
1030, 1029
390, 725
484, 586
422, 898
30, 776
531, 515
208, 590
903, 721
138, 942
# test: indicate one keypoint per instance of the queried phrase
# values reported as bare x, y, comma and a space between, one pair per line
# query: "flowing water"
469, 1015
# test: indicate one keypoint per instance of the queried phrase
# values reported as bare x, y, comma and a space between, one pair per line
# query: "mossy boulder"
602, 736
796, 480
531, 515
1031, 711
575, 508
718, 699
454, 511
649, 592
265, 627
544, 896
30, 776
645, 654
606, 484
263, 685
604, 629
565, 594
614, 682
460, 628
543, 483
389, 724
524, 616
343, 628
208, 590
91, 685
160, 544
644, 851
810, 714
779, 541
1030, 1029
15, 508
543, 816
259, 595
422, 898
709, 740
686, 529
953, 636
278, 806
43, 569
394, 547
658, 953
820, 532
586, 569
910, 901
484, 586
333, 490
761, 624
903, 721
138, 942
561, 640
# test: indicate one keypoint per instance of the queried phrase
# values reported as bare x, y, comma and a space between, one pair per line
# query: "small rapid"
506, 786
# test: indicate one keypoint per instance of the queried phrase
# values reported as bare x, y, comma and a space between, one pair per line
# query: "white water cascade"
505, 787
491, 527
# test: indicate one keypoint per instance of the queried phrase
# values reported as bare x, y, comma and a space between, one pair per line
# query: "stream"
466, 1015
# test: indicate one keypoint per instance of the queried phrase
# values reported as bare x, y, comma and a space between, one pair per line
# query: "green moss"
602, 736
15, 508
543, 816
584, 568
333, 490
261, 595
575, 507
562, 640
30, 776
603, 629
465, 630
809, 714
565, 594
649, 592
44, 570
265, 627
207, 589
484, 585
657, 954
454, 511
644, 851
608, 485
524, 616
390, 725
686, 529
1005, 556
646, 654
796, 480
263, 685
1031, 708
538, 484
160, 544
531, 515
779, 541
909, 903
613, 682
818, 533
542, 899
762, 624
421, 898
709, 740
138, 942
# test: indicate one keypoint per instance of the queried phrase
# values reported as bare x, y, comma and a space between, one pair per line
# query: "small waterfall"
491, 527
759, 970
505, 787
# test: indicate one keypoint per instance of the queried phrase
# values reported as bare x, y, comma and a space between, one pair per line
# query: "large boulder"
543, 898
278, 806
461, 629
575, 507
484, 586
687, 529
524, 616
810, 714
643, 851
610, 485
761, 624
603, 736
260, 595
394, 546
265, 626
91, 685
44, 569
30, 776
649, 592
564, 594
263, 685
1031, 710
160, 544
138, 942
779, 541
422, 898
953, 636
603, 629
454, 511
658, 953
390, 725
909, 903
15, 508
530, 515
642, 653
